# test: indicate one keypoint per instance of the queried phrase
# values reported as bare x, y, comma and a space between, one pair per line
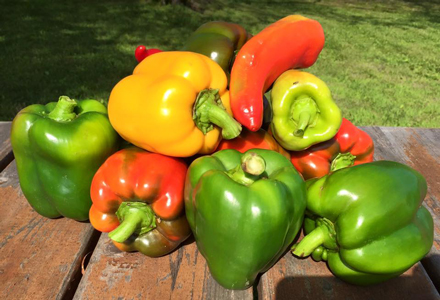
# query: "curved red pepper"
350, 146
292, 42
247, 139
138, 197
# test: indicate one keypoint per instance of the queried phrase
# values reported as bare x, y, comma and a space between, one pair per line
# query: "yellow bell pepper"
175, 103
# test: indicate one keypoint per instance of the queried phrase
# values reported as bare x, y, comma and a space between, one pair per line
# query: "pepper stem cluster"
135, 218
208, 111
64, 110
251, 168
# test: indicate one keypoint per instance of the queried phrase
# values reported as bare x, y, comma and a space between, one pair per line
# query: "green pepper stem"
135, 218
303, 122
208, 110
310, 242
304, 113
324, 234
342, 160
64, 110
251, 168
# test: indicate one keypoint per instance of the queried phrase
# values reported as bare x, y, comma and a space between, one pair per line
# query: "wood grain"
419, 148
6, 155
183, 274
40, 258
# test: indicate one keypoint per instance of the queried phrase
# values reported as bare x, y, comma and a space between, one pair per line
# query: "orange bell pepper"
175, 103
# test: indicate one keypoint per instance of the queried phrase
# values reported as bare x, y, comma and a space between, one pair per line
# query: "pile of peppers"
230, 140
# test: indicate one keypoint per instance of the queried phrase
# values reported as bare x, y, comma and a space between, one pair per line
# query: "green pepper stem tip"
64, 110
253, 164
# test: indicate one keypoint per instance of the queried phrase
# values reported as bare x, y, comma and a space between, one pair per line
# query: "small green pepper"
304, 113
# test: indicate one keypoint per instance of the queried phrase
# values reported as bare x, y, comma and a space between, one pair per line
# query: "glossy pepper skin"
367, 221
290, 43
219, 41
58, 147
350, 146
244, 211
304, 112
138, 197
175, 103
247, 140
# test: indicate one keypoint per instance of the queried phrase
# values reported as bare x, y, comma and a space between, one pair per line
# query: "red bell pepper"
292, 42
350, 146
142, 52
247, 139
138, 197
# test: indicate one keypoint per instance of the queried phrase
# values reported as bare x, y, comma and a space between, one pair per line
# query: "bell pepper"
247, 140
175, 103
304, 112
142, 52
367, 221
350, 146
138, 197
58, 147
218, 40
244, 211
292, 42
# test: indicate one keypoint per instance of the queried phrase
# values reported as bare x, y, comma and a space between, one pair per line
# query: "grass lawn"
381, 59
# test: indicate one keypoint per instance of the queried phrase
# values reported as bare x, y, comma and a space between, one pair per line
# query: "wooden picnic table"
63, 259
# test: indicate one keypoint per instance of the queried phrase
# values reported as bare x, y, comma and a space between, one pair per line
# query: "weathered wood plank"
307, 279
420, 149
40, 258
112, 274
6, 155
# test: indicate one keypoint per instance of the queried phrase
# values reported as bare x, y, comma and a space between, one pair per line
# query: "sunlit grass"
380, 59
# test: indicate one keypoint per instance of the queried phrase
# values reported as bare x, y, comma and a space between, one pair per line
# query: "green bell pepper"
218, 40
244, 211
367, 221
58, 147
304, 112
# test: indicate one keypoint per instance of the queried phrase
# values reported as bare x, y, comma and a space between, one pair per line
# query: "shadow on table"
412, 286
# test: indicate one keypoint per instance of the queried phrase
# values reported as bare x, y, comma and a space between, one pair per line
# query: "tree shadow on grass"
83, 48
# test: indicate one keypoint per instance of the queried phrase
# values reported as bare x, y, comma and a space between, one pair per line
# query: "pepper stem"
135, 218
209, 111
251, 168
63, 110
304, 113
323, 234
303, 122
310, 242
342, 160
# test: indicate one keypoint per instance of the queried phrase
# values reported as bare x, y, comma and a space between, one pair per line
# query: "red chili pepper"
138, 197
247, 139
350, 146
292, 42
142, 52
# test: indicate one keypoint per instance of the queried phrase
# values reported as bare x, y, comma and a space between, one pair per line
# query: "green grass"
381, 60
